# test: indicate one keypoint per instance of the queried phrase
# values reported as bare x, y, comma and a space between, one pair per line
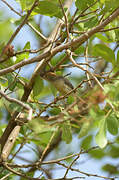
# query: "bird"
61, 83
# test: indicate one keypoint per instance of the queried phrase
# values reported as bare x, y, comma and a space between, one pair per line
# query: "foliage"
89, 113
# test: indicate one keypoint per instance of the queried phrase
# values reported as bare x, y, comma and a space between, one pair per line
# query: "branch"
55, 33
74, 44
26, 106
24, 62
90, 73
52, 161
5, 151
48, 55
12, 125
12, 137
27, 50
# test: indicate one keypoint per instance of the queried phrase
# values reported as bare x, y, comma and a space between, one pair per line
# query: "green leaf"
105, 52
114, 151
15, 107
3, 82
27, 45
40, 127
4, 173
118, 58
86, 143
55, 111
69, 160
102, 1
19, 21
38, 86
44, 138
79, 50
83, 4
53, 90
42, 177
91, 23
100, 138
70, 99
5, 30
103, 38
110, 5
49, 8
23, 55
111, 169
111, 35
97, 153
11, 83
112, 124
93, 113
66, 132
2, 128
25, 4
84, 129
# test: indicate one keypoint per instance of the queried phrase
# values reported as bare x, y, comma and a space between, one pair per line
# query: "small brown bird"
61, 83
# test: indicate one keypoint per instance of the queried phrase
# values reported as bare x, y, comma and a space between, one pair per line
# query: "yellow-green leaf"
100, 138
112, 124
104, 52
38, 86
66, 132
84, 129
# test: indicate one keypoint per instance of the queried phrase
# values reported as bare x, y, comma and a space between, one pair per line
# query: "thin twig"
13, 82
71, 165
85, 173
18, 173
13, 126
74, 44
86, 59
28, 23
48, 145
85, 20
71, 65
26, 106
19, 27
80, 15
66, 20
69, 53
6, 176
110, 29
102, 30
21, 146
33, 51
